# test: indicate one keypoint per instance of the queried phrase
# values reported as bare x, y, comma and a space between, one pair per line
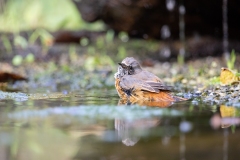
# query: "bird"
125, 128
136, 84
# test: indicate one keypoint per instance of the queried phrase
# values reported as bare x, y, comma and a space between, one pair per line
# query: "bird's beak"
124, 66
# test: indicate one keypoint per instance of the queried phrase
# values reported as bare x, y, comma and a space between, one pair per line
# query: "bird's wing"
148, 76
152, 80
130, 82
158, 86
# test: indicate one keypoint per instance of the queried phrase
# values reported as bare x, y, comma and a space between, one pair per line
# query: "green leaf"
231, 60
30, 58
17, 60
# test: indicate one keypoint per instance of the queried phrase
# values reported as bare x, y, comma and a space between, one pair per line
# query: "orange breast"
119, 90
150, 96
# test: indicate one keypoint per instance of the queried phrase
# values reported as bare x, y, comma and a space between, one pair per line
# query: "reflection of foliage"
228, 111
36, 142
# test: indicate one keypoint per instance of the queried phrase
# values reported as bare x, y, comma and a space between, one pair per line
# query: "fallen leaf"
11, 77
228, 76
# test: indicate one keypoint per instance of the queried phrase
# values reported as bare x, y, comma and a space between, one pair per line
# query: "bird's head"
121, 71
130, 66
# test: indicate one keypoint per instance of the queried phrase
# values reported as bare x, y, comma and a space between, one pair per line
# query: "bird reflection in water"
161, 104
129, 131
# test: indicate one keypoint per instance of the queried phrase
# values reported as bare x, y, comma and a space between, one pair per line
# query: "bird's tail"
179, 99
167, 96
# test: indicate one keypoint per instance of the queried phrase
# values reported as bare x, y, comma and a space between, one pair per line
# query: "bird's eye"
131, 70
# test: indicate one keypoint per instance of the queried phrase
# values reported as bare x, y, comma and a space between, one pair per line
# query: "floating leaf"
228, 76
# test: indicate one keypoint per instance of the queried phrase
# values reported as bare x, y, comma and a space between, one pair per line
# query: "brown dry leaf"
228, 76
11, 77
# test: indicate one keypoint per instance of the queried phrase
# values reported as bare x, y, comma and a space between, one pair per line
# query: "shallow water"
88, 125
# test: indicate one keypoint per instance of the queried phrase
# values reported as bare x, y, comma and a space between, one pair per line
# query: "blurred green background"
18, 15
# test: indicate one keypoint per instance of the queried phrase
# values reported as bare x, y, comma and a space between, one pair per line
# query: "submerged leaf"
228, 76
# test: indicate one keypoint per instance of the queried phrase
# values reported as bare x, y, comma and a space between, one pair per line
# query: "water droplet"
165, 52
182, 10
166, 65
170, 4
185, 126
145, 36
182, 51
225, 30
165, 32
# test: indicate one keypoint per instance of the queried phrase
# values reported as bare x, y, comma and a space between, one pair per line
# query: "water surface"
88, 125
